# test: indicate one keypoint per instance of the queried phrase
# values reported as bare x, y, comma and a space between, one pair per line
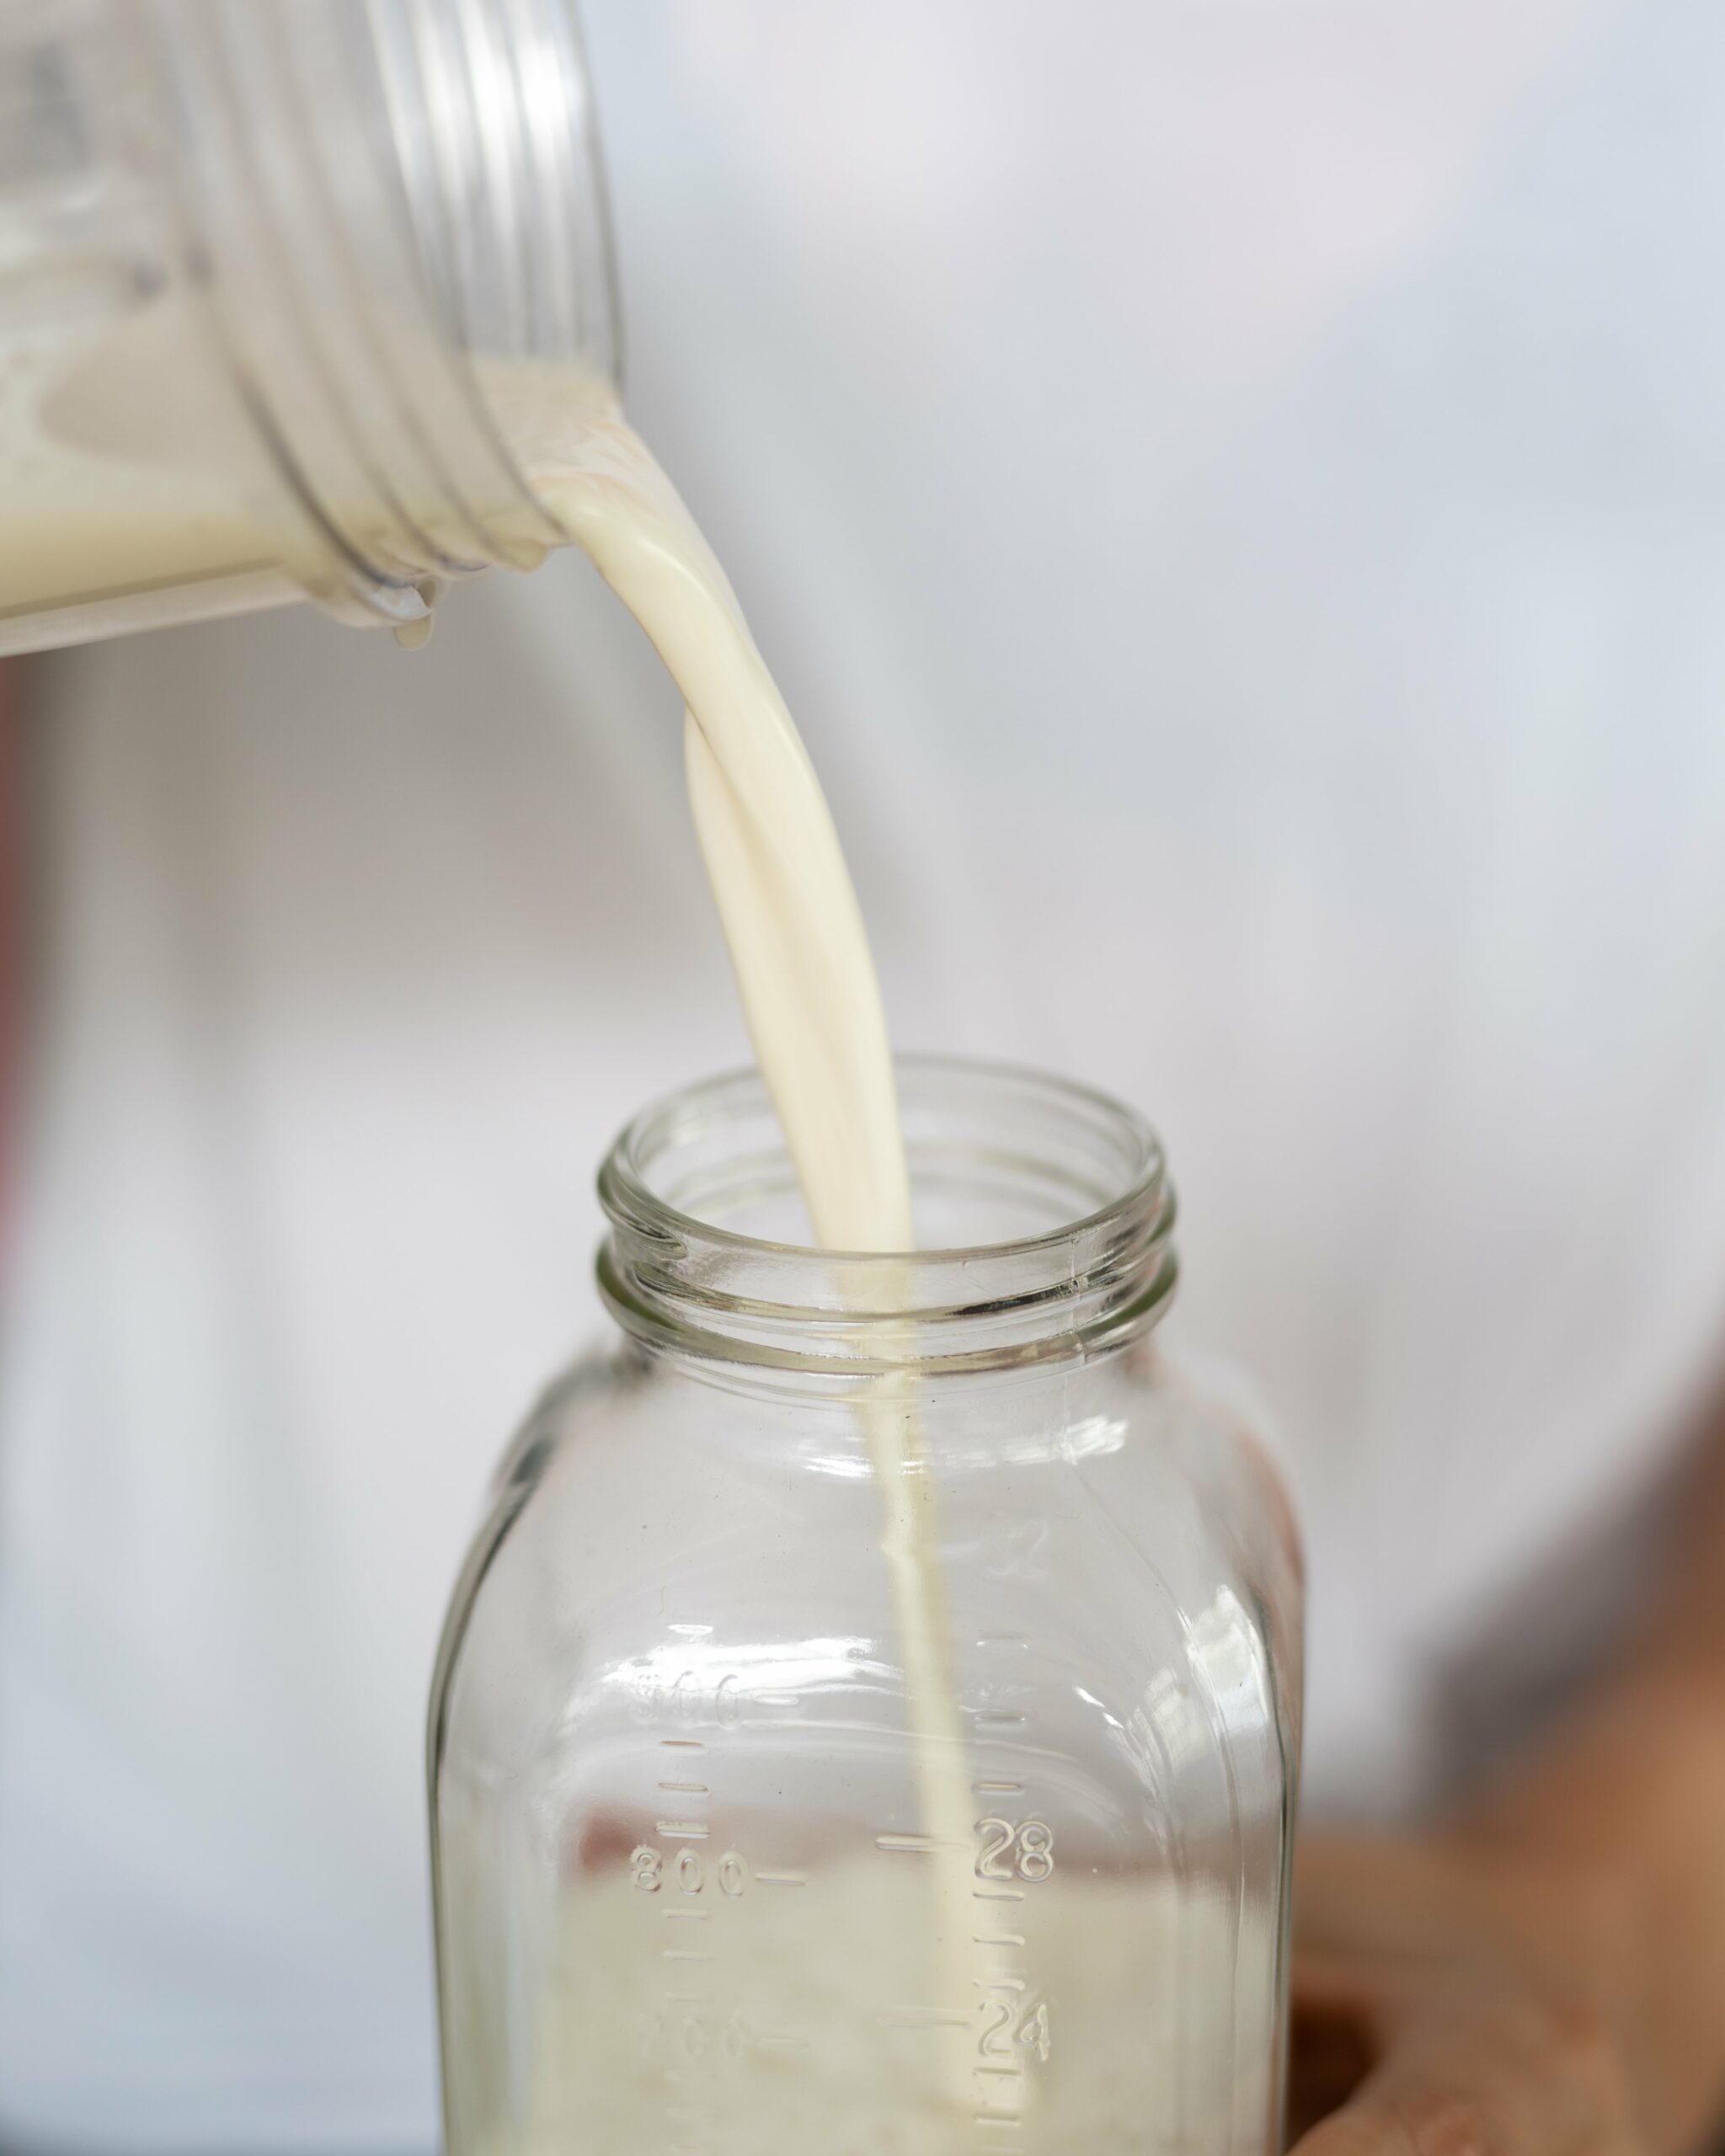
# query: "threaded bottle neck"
1044, 1208
393, 217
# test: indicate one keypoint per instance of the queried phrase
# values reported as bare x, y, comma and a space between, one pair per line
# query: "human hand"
1455, 1999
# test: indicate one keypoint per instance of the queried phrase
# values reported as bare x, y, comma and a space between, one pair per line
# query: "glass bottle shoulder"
1113, 1522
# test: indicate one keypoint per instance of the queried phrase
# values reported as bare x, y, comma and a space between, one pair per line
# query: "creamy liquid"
809, 2041
784, 894
116, 459
812, 1005
89, 513
129, 470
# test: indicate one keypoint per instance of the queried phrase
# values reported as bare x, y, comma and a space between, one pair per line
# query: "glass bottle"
280, 283
687, 1893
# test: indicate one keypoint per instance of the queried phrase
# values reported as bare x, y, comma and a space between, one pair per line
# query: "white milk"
814, 1009
88, 512
804, 2045
784, 894
85, 512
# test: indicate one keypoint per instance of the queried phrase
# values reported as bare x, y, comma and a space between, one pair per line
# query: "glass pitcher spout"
283, 284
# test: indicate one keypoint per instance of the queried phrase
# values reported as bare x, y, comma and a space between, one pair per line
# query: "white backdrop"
1235, 492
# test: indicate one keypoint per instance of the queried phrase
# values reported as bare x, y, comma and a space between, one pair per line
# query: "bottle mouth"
1044, 1211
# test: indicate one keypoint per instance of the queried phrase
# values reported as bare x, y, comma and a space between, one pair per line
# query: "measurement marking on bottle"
993, 1718
682, 1830
1008, 2073
793, 1702
997, 1893
682, 1954
923, 2017
684, 1915
684, 1743
685, 1788
913, 1844
690, 1631
999, 1983
780, 1879
781, 2041
1003, 1640
997, 2118
998, 1939
688, 1997
1024, 1850
985, 1789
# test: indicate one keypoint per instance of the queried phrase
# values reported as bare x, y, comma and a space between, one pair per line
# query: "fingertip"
1410, 2122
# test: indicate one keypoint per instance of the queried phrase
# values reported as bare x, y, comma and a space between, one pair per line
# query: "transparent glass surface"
687, 1896
282, 284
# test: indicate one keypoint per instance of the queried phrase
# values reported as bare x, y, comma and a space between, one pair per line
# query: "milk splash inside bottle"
813, 1005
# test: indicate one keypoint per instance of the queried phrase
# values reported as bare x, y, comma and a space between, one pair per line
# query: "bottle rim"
1076, 1254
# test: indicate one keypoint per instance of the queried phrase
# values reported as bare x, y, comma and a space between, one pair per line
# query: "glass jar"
698, 1885
277, 278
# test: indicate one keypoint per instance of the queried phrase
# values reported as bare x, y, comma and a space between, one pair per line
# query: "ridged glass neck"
1043, 1209
390, 211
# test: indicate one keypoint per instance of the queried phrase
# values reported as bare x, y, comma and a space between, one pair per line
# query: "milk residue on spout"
812, 1005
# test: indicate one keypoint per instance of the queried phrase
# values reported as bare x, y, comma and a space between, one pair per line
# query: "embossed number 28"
1026, 1851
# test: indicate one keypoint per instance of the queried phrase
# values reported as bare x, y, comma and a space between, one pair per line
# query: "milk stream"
812, 1005
115, 482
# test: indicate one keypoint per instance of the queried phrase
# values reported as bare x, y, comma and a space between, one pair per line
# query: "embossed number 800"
688, 1872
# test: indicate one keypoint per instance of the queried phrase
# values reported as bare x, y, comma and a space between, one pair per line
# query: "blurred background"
1234, 491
